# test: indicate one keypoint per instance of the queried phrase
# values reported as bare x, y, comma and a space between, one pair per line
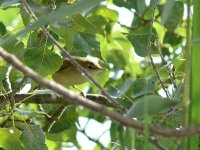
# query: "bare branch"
94, 140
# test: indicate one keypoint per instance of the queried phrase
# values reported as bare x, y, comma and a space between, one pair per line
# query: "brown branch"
75, 98
149, 50
74, 62
53, 99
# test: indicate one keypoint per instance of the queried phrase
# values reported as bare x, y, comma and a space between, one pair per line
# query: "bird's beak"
102, 69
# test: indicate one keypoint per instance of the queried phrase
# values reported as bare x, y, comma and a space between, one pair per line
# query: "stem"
187, 56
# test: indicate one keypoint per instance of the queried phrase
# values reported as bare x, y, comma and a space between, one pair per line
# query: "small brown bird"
69, 75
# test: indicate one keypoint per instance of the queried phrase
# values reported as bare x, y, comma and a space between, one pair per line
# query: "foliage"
101, 30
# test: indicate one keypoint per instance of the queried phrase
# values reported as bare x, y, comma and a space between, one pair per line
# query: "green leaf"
66, 135
139, 40
67, 120
42, 60
2, 28
144, 86
99, 22
55, 15
38, 39
166, 9
121, 88
10, 14
107, 13
127, 4
68, 35
33, 138
178, 92
150, 10
140, 43
87, 43
155, 104
84, 23
10, 139
15, 47
25, 16
1, 83
175, 16
141, 6
173, 39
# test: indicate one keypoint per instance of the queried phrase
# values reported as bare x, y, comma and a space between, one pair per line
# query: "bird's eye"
90, 67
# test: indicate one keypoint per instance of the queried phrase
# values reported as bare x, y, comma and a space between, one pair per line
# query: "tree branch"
75, 98
74, 62
53, 99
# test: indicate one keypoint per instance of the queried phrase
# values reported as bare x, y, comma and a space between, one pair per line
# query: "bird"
69, 75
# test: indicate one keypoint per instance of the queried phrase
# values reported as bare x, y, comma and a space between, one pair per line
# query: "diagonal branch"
75, 98
74, 62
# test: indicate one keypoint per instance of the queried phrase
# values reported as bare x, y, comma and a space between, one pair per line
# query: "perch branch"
75, 98
74, 62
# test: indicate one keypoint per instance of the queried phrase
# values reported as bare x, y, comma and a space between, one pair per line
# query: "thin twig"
11, 94
93, 140
167, 115
170, 71
155, 142
149, 50
54, 118
74, 62
19, 86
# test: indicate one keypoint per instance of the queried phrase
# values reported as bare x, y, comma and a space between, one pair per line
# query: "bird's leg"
81, 92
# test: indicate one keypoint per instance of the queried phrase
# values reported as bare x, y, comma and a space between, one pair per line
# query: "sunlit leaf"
42, 60
56, 15
10, 139
86, 25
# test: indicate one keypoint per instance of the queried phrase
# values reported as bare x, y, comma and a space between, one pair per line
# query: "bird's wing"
66, 64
